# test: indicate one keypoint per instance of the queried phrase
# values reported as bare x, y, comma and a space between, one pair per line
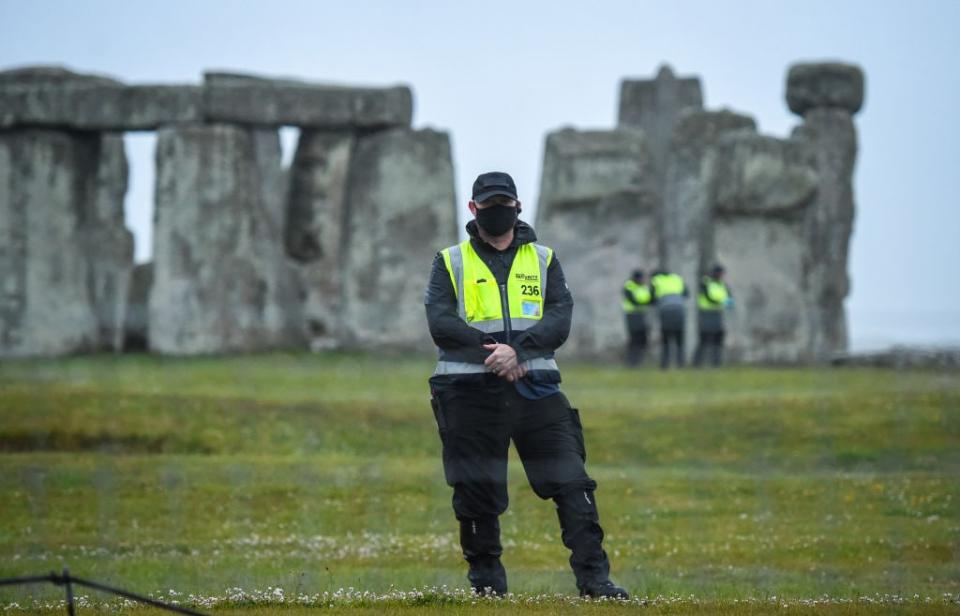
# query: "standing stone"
47, 187
315, 222
136, 327
67, 251
597, 210
655, 105
827, 95
110, 243
221, 280
401, 212
273, 180
762, 189
686, 235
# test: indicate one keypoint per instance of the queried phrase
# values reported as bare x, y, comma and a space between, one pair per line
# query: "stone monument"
248, 256
777, 213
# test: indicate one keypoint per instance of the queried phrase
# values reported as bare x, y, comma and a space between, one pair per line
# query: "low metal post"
71, 610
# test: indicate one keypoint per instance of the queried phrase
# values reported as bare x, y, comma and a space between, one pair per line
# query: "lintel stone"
54, 97
248, 99
99, 106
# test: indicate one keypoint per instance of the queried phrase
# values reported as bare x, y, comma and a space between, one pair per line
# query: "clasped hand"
503, 362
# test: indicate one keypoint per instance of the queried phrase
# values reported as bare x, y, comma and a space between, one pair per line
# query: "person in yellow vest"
713, 299
636, 298
670, 295
498, 308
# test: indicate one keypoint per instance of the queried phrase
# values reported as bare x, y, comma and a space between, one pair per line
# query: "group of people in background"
667, 293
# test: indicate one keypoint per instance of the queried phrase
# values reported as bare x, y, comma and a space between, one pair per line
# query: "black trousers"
476, 425
671, 340
636, 338
709, 348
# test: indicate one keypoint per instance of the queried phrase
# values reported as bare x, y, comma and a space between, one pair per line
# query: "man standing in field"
635, 300
713, 299
670, 296
498, 307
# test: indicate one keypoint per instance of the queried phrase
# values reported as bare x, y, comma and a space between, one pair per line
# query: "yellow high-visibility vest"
481, 301
498, 309
639, 292
716, 291
667, 284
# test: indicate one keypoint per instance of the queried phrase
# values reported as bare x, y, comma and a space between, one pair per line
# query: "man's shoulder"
541, 247
456, 246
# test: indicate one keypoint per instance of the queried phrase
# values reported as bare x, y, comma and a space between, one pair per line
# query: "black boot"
581, 533
480, 541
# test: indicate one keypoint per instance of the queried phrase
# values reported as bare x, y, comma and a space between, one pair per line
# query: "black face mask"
497, 219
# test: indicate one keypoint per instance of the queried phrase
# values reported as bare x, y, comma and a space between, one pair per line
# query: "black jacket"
464, 343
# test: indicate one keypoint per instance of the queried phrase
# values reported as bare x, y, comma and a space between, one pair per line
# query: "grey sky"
499, 75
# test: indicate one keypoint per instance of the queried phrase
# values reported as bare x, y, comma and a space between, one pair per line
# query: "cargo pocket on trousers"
438, 416
578, 433
442, 430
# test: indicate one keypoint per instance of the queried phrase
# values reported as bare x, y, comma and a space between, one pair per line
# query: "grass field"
268, 483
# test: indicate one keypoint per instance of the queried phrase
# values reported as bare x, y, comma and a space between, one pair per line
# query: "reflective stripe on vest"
716, 291
462, 367
640, 293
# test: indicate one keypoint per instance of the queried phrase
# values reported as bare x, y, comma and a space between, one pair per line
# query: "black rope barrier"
69, 581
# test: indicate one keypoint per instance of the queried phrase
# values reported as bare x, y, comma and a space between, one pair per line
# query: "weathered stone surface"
316, 216
110, 243
698, 131
135, 325
763, 176
587, 166
272, 179
829, 84
765, 260
99, 106
598, 210
761, 191
56, 97
51, 75
58, 227
686, 232
221, 280
833, 137
401, 212
53, 96
247, 99
654, 105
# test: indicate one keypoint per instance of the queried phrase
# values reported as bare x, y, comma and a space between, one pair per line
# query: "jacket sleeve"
705, 292
448, 330
551, 332
630, 297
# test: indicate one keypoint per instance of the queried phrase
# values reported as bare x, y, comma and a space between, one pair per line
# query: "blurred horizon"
498, 92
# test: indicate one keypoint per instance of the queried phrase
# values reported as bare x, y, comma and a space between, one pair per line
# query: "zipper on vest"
504, 306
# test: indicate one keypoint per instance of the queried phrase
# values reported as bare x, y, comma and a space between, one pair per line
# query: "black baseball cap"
494, 183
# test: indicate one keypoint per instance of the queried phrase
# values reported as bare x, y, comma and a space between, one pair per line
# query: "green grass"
314, 473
